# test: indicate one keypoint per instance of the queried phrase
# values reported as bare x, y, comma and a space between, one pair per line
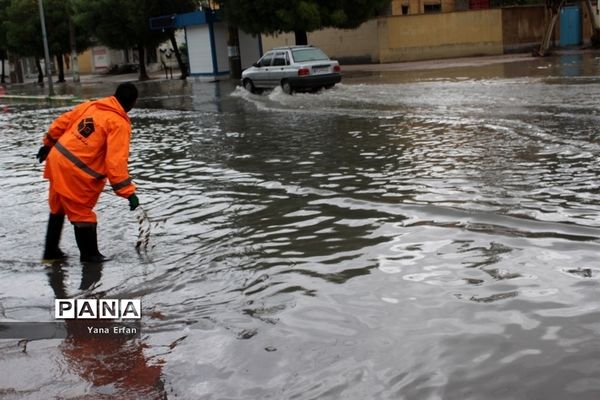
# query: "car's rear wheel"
249, 86
286, 87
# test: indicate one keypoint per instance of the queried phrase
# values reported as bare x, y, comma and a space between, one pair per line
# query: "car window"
266, 60
308, 54
279, 59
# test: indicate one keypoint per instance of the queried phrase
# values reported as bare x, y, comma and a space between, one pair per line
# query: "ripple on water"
421, 240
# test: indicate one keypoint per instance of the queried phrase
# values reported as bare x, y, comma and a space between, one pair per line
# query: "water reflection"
114, 365
571, 64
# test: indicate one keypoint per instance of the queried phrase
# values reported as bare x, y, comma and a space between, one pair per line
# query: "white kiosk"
206, 36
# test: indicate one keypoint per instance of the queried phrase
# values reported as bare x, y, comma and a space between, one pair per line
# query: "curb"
41, 99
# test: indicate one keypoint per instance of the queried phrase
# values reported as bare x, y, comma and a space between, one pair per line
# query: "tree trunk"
233, 50
182, 66
554, 7
74, 59
40, 73
61, 68
2, 58
16, 75
301, 38
142, 63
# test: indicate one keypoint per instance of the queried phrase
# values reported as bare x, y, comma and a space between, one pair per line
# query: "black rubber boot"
55, 225
87, 241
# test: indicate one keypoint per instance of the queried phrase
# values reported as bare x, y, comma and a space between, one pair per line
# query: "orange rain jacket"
89, 144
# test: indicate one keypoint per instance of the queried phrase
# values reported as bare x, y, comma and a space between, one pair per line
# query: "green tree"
3, 43
58, 13
24, 32
122, 24
299, 16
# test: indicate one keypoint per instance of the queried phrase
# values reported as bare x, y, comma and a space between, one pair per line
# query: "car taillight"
337, 68
303, 72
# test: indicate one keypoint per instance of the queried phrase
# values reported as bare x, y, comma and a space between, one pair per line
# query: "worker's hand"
134, 202
43, 153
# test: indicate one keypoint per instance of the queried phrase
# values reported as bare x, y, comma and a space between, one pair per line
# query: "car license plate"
320, 70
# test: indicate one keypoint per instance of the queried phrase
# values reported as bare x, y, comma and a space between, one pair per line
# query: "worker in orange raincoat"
84, 147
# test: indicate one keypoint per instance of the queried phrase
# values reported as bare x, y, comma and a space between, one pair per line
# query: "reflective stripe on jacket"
90, 143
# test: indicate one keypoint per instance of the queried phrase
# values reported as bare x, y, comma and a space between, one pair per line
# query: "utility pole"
46, 52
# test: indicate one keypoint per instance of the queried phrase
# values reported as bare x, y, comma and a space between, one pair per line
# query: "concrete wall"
249, 49
408, 37
399, 38
523, 27
586, 22
282, 39
459, 34
348, 46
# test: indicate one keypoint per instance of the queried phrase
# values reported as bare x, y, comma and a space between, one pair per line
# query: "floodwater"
409, 236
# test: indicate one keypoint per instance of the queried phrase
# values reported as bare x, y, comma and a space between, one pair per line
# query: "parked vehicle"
294, 68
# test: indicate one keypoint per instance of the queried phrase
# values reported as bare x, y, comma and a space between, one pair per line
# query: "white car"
294, 68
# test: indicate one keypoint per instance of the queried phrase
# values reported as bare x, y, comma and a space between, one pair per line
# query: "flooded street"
416, 235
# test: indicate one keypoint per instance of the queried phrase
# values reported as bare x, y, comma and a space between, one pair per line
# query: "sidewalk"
441, 63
